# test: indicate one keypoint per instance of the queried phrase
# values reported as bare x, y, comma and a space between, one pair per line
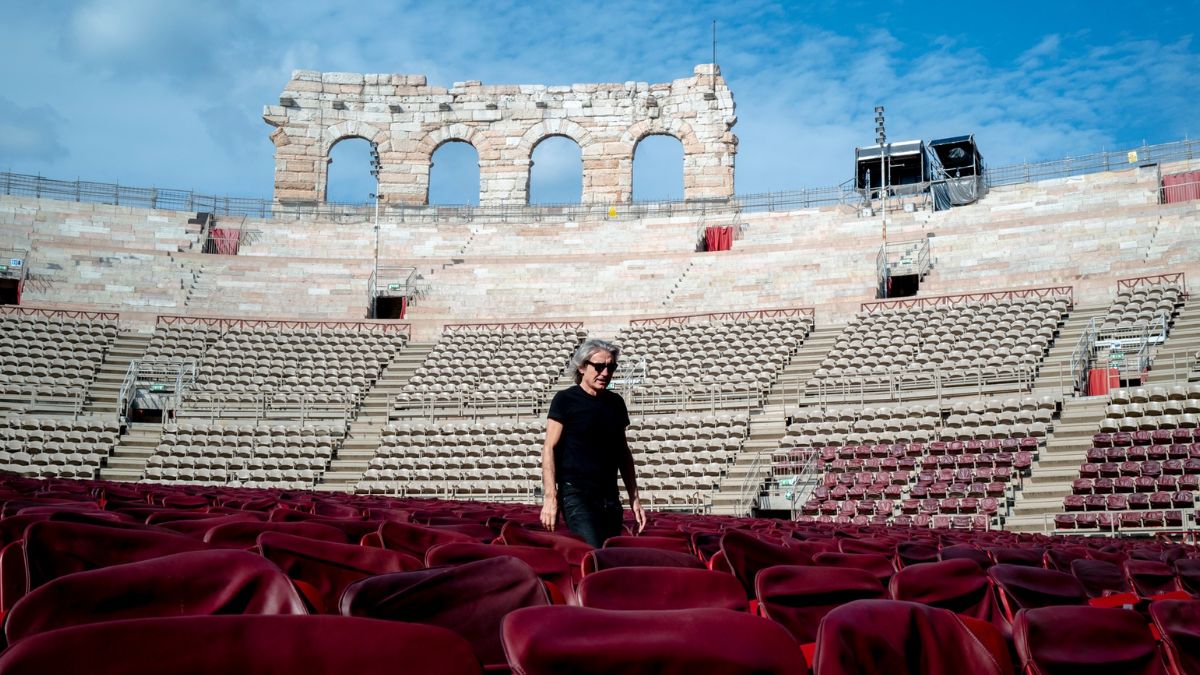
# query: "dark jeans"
595, 517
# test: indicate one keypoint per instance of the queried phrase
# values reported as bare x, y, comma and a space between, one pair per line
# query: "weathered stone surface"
408, 120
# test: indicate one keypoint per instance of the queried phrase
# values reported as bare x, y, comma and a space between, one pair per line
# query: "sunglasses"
610, 366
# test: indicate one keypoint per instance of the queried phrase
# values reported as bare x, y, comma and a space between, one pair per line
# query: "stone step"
120, 475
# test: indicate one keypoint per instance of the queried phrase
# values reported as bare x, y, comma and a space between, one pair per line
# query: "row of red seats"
388, 555
1125, 484
1124, 439
1140, 453
1110, 521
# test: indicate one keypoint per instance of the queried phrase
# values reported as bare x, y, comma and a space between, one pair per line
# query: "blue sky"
169, 93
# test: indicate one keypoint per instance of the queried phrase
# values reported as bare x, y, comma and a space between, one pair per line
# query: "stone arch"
424, 148
430, 142
678, 128
334, 134
557, 127
351, 129
693, 149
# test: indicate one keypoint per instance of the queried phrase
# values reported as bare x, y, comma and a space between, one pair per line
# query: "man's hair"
585, 352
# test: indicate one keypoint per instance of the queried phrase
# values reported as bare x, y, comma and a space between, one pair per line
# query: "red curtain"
718, 238
226, 241
1181, 187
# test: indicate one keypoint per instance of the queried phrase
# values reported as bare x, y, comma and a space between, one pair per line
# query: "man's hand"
639, 514
550, 514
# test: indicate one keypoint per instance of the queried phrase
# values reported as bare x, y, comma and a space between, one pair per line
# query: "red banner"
718, 238
226, 241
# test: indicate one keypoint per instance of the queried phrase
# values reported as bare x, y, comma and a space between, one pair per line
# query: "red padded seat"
183, 584
582, 640
194, 645
634, 588
1093, 640
470, 598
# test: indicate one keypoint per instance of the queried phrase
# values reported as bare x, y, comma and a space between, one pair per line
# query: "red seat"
665, 543
547, 563
182, 584
1178, 622
54, 549
1092, 640
606, 558
1020, 587
571, 548
747, 554
967, 552
877, 565
629, 588
960, 586
323, 569
797, 597
415, 540
582, 640
899, 638
1150, 577
198, 527
470, 598
314, 645
1187, 570
244, 534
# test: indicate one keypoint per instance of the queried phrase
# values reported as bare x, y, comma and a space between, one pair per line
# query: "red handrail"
680, 319
229, 322
951, 300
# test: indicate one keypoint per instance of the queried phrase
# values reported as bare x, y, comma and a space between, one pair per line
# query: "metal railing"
1081, 356
1175, 279
254, 407
168, 377
788, 200
749, 315
750, 488
913, 383
228, 323
26, 310
1046, 293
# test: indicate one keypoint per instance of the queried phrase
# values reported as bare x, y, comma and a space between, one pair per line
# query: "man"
586, 447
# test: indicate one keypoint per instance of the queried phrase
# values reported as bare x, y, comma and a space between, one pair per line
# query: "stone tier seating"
995, 339
56, 446
530, 288
332, 364
811, 576
743, 356
106, 277
50, 358
1114, 221
244, 455
1142, 305
488, 367
1143, 469
27, 221
314, 289
1000, 417
679, 459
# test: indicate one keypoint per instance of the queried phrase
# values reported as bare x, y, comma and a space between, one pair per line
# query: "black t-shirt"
589, 452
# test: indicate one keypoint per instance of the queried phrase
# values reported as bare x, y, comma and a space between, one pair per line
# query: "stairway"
128, 459
788, 389
1175, 360
362, 439
102, 395
1057, 466
1054, 376
750, 469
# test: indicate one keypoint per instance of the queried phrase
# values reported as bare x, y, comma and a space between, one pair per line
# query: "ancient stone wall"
407, 120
